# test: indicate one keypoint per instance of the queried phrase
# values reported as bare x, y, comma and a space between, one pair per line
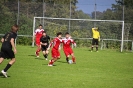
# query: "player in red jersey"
38, 35
67, 47
55, 50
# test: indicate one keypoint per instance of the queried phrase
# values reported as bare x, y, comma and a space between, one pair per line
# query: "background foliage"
61, 9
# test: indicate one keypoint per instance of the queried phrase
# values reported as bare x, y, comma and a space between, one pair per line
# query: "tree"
98, 14
128, 14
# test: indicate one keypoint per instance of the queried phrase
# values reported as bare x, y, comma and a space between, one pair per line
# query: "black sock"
45, 55
7, 67
67, 59
96, 48
91, 48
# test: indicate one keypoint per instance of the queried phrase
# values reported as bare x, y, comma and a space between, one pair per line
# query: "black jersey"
7, 38
45, 39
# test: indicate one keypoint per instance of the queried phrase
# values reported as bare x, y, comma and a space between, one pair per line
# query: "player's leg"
53, 53
11, 62
97, 45
51, 62
1, 57
58, 57
4, 73
1, 60
43, 48
38, 49
72, 54
10, 54
55, 56
93, 43
45, 51
46, 54
8, 66
73, 58
67, 58
66, 54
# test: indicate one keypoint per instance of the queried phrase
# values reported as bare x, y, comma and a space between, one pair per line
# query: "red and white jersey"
67, 42
38, 33
56, 43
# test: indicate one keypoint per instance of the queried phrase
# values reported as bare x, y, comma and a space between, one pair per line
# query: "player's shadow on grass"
47, 64
36, 57
62, 61
1, 75
39, 58
32, 55
88, 50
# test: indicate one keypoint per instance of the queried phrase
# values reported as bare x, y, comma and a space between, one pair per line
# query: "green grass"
105, 69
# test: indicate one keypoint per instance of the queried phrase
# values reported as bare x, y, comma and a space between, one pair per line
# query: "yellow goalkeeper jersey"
96, 34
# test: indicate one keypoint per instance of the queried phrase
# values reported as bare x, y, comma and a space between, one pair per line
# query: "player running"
67, 47
38, 35
96, 38
55, 50
6, 49
44, 41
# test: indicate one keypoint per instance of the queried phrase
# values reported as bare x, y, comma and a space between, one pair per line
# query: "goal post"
52, 25
33, 34
122, 36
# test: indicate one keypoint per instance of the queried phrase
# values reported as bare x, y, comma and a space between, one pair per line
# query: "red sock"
73, 59
37, 51
51, 62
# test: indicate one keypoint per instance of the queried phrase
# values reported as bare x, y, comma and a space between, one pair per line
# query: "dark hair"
40, 25
15, 28
59, 33
67, 33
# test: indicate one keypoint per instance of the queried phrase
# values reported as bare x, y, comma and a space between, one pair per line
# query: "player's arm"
41, 44
41, 41
2, 40
59, 47
73, 42
34, 36
93, 30
50, 45
13, 45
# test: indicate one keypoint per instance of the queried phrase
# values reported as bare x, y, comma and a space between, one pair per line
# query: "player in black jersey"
6, 48
44, 41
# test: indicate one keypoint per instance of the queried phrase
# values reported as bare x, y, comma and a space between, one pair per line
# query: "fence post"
17, 20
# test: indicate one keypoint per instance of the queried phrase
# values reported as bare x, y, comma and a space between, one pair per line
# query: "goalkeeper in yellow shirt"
96, 38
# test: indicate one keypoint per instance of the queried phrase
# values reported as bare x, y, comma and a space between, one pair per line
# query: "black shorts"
7, 53
44, 48
94, 41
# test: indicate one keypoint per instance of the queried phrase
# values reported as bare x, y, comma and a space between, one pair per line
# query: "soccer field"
103, 69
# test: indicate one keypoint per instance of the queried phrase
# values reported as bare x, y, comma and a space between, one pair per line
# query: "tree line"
61, 9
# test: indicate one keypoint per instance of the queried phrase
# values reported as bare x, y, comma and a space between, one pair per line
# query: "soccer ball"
70, 61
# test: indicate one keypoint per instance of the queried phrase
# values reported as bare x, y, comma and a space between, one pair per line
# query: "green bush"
24, 40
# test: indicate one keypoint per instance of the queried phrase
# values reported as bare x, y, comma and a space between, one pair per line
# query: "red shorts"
55, 53
37, 42
68, 51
